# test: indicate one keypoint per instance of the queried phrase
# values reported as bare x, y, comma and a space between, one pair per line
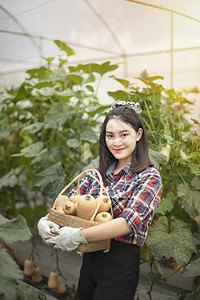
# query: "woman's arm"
108, 230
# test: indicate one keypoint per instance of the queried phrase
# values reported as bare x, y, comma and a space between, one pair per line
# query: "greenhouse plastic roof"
158, 35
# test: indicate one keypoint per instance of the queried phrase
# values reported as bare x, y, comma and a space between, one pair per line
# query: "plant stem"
58, 267
170, 275
180, 176
149, 115
150, 290
147, 125
98, 84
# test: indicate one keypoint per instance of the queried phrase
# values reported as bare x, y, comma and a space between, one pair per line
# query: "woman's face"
121, 139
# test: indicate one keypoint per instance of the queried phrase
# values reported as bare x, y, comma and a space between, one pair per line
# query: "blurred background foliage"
49, 133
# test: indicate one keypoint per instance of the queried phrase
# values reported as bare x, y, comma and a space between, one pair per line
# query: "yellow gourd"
60, 201
75, 198
86, 207
61, 286
53, 280
36, 275
103, 217
28, 267
166, 151
69, 208
105, 203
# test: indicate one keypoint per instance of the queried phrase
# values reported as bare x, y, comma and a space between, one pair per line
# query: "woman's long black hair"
140, 158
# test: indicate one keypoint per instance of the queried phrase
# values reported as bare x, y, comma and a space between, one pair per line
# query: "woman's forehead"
117, 125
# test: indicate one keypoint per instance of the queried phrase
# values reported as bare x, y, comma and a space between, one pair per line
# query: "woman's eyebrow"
125, 130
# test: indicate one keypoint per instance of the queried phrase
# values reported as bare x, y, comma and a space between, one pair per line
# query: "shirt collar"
110, 170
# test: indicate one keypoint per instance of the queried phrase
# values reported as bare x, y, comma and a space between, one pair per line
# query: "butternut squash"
69, 208
28, 267
53, 280
61, 289
105, 203
59, 209
103, 217
75, 198
60, 201
86, 206
36, 275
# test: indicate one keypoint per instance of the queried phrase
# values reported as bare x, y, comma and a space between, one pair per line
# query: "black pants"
110, 276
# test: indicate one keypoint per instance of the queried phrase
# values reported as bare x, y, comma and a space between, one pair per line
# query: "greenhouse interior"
63, 63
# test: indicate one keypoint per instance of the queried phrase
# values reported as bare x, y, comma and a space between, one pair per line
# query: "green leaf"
153, 277
174, 241
189, 198
41, 73
156, 158
10, 179
56, 116
120, 95
90, 88
49, 60
196, 183
21, 92
32, 215
169, 138
50, 180
33, 128
46, 91
152, 78
195, 121
124, 82
94, 67
69, 51
96, 109
73, 143
32, 150
28, 292
193, 269
43, 84
186, 136
4, 133
75, 78
106, 67
91, 78
89, 136
9, 273
167, 204
14, 230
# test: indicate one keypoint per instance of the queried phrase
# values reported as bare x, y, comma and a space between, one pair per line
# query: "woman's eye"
109, 136
124, 135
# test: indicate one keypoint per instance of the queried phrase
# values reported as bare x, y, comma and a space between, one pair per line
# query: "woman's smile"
118, 150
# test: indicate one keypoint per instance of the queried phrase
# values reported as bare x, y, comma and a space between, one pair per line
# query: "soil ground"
70, 262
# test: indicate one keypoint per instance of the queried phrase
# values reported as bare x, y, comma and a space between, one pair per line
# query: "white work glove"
47, 229
68, 239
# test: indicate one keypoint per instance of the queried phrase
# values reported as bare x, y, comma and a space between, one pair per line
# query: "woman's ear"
139, 134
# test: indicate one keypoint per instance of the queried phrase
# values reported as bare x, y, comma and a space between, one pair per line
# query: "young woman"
134, 187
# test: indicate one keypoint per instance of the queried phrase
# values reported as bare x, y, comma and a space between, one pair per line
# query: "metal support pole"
172, 51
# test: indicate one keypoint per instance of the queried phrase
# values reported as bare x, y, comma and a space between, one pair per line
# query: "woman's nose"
117, 141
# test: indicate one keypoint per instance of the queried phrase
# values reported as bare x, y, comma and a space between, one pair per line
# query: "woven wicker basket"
63, 219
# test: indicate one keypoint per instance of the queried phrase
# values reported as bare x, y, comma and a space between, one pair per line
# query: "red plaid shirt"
134, 197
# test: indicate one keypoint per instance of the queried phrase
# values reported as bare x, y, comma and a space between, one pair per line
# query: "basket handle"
80, 175
77, 177
87, 173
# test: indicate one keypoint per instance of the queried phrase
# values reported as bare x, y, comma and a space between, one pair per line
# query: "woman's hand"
47, 229
68, 239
